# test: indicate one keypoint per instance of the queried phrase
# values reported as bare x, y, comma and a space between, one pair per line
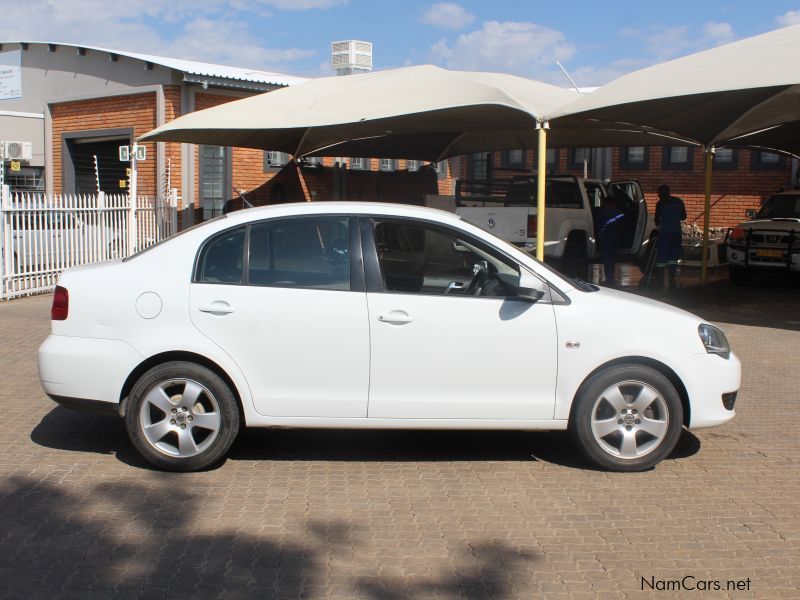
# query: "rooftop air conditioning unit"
18, 151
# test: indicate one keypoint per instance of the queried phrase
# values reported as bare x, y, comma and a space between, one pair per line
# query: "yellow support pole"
541, 174
707, 213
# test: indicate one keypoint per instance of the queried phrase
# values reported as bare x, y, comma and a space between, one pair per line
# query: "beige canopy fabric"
420, 112
710, 97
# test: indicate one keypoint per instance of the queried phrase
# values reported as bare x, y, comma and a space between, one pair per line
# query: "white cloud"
588, 76
523, 48
664, 43
221, 35
718, 33
302, 4
790, 17
200, 35
448, 15
659, 43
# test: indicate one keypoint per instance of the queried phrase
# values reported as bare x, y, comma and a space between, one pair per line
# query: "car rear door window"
221, 258
303, 252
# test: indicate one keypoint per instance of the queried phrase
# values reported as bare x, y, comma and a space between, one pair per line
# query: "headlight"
714, 340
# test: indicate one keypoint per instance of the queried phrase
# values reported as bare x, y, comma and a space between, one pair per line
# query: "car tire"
627, 418
740, 275
182, 416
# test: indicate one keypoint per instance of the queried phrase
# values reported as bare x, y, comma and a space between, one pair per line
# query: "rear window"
786, 206
559, 193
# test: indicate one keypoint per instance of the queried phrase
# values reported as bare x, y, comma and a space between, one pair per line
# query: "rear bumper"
85, 372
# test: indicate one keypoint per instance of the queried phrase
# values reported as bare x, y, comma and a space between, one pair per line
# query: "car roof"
786, 193
328, 207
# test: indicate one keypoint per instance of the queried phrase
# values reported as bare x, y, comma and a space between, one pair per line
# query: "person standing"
670, 211
609, 224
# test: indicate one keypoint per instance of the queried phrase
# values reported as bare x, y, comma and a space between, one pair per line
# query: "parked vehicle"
42, 237
507, 208
768, 242
370, 315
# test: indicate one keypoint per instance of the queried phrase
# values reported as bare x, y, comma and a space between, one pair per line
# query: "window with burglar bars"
358, 163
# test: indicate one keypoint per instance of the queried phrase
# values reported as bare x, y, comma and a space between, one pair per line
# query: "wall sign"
10, 75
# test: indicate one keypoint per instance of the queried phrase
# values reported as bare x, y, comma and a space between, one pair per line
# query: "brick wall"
137, 111
248, 164
172, 110
733, 190
298, 184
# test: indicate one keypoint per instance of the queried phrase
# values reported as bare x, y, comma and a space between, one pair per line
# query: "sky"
595, 41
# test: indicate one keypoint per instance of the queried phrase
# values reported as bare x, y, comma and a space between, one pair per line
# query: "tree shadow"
154, 540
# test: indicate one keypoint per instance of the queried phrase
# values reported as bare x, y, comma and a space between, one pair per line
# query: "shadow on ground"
70, 430
772, 300
156, 540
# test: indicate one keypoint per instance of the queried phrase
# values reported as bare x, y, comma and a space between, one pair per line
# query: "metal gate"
43, 234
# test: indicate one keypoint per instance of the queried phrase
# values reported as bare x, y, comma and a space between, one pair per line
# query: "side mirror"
750, 213
531, 288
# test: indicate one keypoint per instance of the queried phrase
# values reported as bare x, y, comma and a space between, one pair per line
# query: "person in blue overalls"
609, 224
670, 211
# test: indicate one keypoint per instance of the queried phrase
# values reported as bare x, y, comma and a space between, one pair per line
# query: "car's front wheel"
627, 418
182, 416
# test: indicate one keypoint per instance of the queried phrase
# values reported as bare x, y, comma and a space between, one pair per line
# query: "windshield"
785, 206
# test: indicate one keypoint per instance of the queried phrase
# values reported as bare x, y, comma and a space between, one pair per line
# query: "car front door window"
417, 259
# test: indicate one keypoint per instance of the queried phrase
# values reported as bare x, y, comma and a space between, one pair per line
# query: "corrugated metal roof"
191, 67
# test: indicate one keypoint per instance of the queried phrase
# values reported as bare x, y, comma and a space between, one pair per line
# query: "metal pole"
132, 191
5, 241
541, 174
707, 213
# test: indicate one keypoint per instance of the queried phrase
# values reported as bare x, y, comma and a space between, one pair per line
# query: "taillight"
60, 308
738, 234
533, 223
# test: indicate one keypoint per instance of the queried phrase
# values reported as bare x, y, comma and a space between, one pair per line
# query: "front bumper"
739, 256
708, 378
86, 371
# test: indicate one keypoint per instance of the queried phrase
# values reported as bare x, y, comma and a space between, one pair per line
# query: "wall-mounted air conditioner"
17, 150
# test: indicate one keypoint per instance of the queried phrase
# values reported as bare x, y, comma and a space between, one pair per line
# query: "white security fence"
43, 234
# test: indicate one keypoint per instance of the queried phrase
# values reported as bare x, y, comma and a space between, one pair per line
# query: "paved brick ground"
405, 514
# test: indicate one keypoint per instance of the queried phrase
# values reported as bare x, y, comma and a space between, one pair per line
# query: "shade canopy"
423, 112
710, 97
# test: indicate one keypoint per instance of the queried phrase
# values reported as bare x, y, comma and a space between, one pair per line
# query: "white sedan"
366, 315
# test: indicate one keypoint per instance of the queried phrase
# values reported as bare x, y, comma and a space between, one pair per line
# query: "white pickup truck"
768, 242
42, 239
508, 209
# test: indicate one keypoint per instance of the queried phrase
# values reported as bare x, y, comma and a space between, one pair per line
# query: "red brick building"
742, 179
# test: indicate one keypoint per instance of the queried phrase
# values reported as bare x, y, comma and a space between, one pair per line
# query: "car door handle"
218, 308
396, 317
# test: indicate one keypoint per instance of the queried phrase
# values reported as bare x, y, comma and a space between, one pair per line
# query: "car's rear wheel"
182, 416
627, 418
